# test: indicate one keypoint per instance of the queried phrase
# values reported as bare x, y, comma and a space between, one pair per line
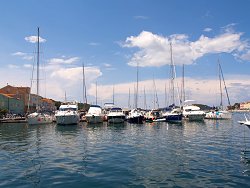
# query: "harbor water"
191, 154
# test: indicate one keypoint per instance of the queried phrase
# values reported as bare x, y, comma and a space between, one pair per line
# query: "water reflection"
202, 154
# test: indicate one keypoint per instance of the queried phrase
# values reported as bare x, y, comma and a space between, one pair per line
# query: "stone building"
245, 105
30, 101
11, 104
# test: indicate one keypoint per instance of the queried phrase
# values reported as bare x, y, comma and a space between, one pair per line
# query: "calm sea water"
203, 154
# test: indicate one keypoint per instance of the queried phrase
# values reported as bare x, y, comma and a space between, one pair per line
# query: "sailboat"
135, 115
219, 112
173, 114
38, 117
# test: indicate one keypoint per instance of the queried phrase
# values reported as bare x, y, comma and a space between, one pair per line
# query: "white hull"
116, 116
193, 113
68, 119
194, 117
94, 114
114, 119
67, 115
218, 115
94, 119
39, 118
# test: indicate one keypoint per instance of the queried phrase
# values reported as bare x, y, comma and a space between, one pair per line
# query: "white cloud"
154, 50
27, 66
34, 39
19, 54
11, 66
94, 44
194, 89
207, 29
246, 56
107, 65
24, 56
63, 60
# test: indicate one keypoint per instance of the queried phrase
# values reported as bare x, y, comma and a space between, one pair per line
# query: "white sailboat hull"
39, 118
218, 115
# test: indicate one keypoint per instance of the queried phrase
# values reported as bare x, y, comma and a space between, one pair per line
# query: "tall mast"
113, 94
136, 96
84, 85
96, 93
65, 97
145, 100
171, 75
38, 52
183, 86
224, 84
155, 95
165, 95
221, 105
129, 106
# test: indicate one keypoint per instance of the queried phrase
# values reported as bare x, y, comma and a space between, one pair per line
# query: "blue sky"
112, 36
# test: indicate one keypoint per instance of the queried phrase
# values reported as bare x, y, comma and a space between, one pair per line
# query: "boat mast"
129, 98
84, 85
38, 51
113, 94
165, 95
224, 84
136, 95
96, 92
65, 97
155, 95
183, 86
221, 105
171, 75
145, 100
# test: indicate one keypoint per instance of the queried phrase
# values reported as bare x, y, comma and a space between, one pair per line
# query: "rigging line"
155, 93
224, 85
174, 78
221, 105
31, 81
43, 69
